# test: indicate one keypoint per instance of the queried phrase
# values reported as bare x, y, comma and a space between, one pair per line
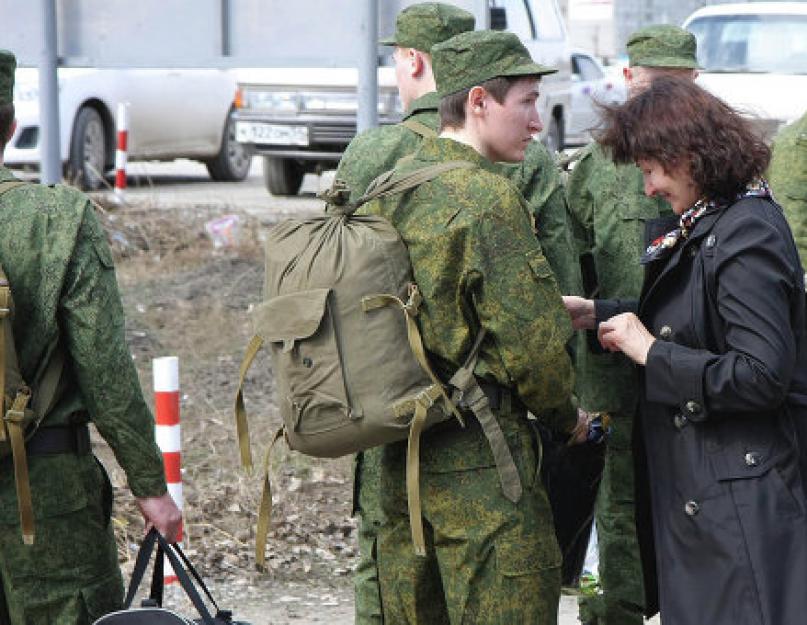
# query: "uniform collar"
427, 102
443, 149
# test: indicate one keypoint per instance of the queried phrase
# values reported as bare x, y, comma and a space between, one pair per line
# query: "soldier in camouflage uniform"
65, 296
370, 154
478, 265
608, 210
376, 151
787, 176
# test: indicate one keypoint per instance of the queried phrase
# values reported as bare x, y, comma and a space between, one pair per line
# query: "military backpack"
340, 317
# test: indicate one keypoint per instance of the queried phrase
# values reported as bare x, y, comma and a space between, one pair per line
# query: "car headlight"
329, 102
274, 101
26, 93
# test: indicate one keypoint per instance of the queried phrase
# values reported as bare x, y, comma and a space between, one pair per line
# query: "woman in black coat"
721, 336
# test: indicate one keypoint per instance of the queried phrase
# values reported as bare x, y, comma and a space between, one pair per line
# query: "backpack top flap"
289, 318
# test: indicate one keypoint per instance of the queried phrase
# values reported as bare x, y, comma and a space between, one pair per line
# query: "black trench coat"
721, 445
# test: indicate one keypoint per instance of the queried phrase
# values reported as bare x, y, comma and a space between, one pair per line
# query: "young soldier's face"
509, 127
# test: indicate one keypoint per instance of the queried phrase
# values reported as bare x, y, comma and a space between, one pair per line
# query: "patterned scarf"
663, 245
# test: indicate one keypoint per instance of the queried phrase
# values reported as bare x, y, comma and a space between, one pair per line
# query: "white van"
302, 119
753, 55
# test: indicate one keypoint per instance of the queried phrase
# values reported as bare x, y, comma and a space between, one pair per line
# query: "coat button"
693, 251
693, 407
711, 240
665, 332
752, 459
680, 421
692, 508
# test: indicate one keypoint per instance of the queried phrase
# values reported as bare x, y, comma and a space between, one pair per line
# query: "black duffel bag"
151, 611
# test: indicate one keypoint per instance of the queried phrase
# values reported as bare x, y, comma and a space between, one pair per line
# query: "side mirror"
498, 18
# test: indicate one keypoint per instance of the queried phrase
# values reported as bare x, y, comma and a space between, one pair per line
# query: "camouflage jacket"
787, 175
377, 150
478, 264
59, 265
608, 211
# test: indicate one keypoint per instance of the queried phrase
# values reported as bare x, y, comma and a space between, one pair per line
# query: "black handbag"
151, 611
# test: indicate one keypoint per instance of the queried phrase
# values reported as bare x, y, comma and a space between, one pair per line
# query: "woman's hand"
581, 311
625, 333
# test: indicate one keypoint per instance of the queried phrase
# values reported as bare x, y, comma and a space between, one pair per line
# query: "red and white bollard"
121, 151
167, 432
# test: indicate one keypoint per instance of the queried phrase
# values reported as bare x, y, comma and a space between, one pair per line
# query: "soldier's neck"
462, 135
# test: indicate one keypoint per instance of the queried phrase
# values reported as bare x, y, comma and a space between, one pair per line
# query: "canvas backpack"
340, 317
22, 409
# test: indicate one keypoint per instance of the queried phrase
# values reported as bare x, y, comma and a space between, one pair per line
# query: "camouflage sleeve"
787, 175
93, 330
353, 167
541, 185
581, 203
372, 153
517, 300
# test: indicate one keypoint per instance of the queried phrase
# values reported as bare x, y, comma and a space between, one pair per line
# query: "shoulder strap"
389, 183
419, 128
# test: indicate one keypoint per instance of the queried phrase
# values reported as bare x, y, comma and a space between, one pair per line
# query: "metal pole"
50, 158
482, 10
367, 114
226, 43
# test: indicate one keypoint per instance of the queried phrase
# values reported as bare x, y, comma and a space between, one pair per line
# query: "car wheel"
554, 137
282, 176
233, 160
87, 163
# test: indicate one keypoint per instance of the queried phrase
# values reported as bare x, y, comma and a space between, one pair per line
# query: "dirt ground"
184, 297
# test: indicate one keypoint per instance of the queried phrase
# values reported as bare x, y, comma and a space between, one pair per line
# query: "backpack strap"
16, 415
469, 393
419, 128
241, 425
390, 183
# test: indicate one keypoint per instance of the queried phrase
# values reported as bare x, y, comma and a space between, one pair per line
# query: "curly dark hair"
676, 122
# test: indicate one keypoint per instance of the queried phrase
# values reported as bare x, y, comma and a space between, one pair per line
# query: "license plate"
276, 134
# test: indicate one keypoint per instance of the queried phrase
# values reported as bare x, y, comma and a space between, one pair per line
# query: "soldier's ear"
476, 100
417, 63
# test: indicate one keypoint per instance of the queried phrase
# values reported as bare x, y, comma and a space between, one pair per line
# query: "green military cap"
662, 45
8, 63
471, 58
420, 26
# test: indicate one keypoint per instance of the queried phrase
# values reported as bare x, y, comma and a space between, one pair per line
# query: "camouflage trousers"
488, 560
70, 575
620, 569
366, 502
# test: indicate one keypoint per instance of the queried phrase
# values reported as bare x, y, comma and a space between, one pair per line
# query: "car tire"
87, 163
232, 162
554, 137
282, 176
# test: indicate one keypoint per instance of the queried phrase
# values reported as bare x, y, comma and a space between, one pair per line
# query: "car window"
585, 67
518, 18
752, 43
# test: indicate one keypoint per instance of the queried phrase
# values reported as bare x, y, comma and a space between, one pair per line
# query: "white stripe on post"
121, 151
167, 433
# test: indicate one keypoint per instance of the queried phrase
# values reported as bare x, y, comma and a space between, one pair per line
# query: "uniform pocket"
305, 352
518, 557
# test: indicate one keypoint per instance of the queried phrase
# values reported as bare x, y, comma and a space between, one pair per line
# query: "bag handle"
170, 550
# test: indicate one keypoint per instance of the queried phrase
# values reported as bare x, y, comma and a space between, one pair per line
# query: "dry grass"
184, 298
